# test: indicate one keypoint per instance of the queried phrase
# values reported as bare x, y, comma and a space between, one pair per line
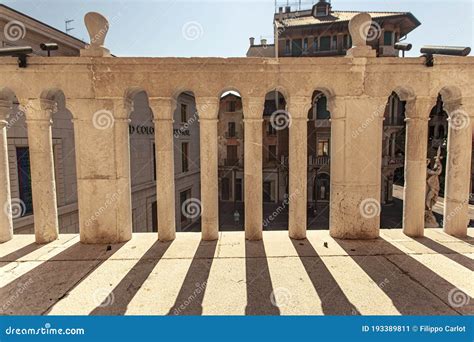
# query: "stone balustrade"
99, 91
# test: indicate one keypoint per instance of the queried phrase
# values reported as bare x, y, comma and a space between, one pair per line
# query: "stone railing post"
298, 166
43, 183
414, 192
208, 108
458, 169
163, 109
6, 222
103, 179
356, 153
253, 120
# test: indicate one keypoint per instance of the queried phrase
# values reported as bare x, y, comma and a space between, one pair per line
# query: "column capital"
5, 110
207, 107
38, 109
162, 107
253, 107
298, 107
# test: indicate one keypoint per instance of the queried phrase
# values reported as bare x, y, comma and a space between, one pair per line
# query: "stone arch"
451, 97
129, 97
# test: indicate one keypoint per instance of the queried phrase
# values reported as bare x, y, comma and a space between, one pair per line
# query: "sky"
221, 28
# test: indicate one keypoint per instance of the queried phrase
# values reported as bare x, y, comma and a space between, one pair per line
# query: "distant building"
322, 31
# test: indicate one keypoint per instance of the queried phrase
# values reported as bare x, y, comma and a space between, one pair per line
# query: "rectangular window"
225, 184
325, 43
305, 44
287, 47
296, 47
346, 43
154, 162
272, 153
238, 189
388, 38
24, 179
232, 155
185, 157
184, 113
315, 44
271, 130
334, 43
323, 147
231, 129
183, 196
231, 105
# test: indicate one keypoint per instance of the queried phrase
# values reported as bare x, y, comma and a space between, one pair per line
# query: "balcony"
318, 161
395, 274
235, 135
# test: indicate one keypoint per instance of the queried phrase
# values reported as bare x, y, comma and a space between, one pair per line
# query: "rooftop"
392, 275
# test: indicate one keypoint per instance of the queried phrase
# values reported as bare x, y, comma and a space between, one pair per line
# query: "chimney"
252, 41
263, 41
287, 9
280, 9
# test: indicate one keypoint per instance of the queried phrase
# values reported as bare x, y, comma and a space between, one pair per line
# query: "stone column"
458, 170
208, 108
414, 192
102, 162
298, 164
356, 151
43, 183
163, 109
6, 222
253, 118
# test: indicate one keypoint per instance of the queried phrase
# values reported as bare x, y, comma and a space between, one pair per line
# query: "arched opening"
231, 161
319, 155
142, 163
275, 150
187, 163
393, 162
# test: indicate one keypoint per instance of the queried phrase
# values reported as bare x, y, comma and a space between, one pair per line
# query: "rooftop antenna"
66, 24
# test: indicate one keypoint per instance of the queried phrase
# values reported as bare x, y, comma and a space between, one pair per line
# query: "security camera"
446, 50
49, 47
18, 51
403, 46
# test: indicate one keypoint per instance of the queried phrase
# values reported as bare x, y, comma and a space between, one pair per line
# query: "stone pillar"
356, 151
208, 108
163, 109
6, 222
298, 164
43, 182
414, 192
103, 176
253, 118
458, 170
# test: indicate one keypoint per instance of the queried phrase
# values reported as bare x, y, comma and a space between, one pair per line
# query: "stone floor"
279, 276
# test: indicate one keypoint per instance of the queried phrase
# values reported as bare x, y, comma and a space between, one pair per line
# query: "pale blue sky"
155, 28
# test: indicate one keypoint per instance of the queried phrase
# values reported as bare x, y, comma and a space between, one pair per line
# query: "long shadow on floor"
259, 283
333, 299
191, 294
447, 252
413, 288
124, 292
20, 253
36, 292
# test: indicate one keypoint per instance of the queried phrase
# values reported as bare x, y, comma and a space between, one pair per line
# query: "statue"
432, 189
